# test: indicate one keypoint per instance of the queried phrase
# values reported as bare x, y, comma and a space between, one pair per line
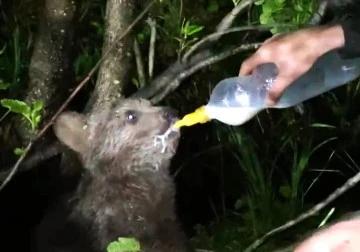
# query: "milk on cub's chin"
231, 116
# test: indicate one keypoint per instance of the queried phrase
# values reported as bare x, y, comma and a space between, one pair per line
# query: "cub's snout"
170, 114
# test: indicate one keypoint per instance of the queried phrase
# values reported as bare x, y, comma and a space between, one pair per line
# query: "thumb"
279, 86
274, 37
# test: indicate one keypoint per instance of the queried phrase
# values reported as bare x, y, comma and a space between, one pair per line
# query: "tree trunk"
114, 70
50, 70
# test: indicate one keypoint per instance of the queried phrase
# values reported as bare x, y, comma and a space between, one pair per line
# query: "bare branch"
16, 166
4, 115
201, 64
314, 210
229, 18
230, 30
171, 74
72, 95
152, 24
319, 14
35, 158
139, 63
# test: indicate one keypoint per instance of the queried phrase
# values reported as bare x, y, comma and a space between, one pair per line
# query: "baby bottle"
236, 100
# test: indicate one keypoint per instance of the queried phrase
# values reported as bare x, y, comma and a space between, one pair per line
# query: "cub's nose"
170, 114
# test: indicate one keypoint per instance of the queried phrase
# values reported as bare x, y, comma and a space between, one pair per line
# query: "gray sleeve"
351, 30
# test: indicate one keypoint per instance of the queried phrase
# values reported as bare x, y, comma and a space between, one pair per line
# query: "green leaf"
285, 191
4, 86
37, 119
19, 151
38, 105
299, 8
189, 29
192, 29
259, 2
213, 6
124, 245
16, 106
141, 37
239, 204
268, 9
135, 82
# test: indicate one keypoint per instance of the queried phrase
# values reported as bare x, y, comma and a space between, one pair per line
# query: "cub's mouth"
170, 117
168, 126
168, 134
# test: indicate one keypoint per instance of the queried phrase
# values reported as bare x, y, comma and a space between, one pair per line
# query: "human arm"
342, 236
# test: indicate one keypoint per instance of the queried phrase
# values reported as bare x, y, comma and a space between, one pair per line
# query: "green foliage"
19, 151
4, 86
143, 34
15, 44
176, 26
229, 237
124, 245
32, 114
213, 6
187, 31
296, 13
235, 2
90, 37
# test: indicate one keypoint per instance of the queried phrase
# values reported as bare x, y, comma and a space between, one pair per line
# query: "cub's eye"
131, 116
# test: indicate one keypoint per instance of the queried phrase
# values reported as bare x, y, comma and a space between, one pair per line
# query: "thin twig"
319, 14
230, 30
17, 165
223, 27
35, 158
139, 63
345, 187
72, 95
227, 21
172, 73
205, 62
7, 112
152, 24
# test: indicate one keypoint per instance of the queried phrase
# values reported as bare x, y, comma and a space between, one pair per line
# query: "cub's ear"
70, 129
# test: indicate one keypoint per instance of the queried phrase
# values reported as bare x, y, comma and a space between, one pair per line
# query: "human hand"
341, 237
294, 54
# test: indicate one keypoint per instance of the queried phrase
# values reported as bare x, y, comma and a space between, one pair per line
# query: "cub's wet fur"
126, 189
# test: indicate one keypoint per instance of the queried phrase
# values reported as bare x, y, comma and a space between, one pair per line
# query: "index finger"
279, 86
249, 64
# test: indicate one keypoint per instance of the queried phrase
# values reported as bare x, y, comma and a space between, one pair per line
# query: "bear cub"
125, 189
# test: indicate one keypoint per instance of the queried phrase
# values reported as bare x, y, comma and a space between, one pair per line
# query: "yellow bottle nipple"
198, 116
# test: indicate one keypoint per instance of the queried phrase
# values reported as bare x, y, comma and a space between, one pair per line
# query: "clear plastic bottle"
238, 99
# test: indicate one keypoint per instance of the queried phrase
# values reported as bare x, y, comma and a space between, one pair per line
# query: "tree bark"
114, 71
50, 70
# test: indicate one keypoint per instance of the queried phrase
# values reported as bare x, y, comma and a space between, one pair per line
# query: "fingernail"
269, 102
